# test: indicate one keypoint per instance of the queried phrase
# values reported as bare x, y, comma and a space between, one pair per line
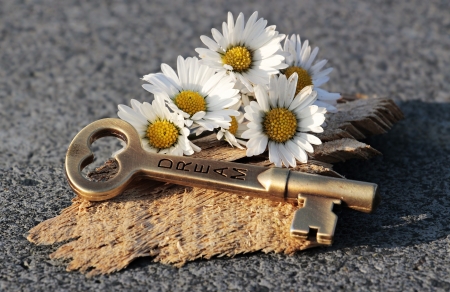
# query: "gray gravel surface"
64, 64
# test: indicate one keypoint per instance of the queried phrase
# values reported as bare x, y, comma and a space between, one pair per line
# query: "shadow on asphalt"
414, 178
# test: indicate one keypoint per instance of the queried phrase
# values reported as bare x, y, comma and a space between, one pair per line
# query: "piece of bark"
342, 150
177, 224
173, 223
361, 118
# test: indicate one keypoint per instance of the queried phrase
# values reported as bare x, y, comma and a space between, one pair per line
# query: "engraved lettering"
220, 171
240, 176
201, 169
182, 165
165, 163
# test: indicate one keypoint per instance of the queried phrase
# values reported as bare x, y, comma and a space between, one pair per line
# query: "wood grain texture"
176, 224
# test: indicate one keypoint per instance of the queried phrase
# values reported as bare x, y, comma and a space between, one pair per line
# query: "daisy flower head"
250, 52
301, 61
161, 131
196, 92
279, 119
235, 130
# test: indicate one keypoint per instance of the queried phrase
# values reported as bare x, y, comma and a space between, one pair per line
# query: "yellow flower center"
304, 79
233, 126
162, 134
190, 102
280, 124
239, 58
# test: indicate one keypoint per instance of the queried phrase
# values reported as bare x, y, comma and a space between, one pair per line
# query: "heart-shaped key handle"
79, 155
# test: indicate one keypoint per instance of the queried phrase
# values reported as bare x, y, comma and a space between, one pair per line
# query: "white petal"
323, 73
319, 82
132, 115
289, 159
330, 108
262, 97
273, 154
312, 121
282, 88
297, 151
306, 112
273, 91
163, 83
151, 88
262, 145
212, 81
249, 25
198, 115
182, 71
172, 76
311, 58
319, 65
266, 51
238, 29
245, 82
218, 37
325, 95
194, 147
148, 112
207, 54
212, 45
304, 144
255, 78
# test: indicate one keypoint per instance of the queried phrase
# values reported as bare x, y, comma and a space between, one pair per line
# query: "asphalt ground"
64, 64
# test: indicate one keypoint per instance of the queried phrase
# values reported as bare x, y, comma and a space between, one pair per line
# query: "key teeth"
306, 218
325, 240
299, 235
322, 239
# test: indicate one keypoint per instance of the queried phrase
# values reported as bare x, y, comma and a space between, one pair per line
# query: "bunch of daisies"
246, 87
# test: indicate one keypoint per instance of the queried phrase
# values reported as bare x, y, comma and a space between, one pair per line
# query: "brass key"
315, 194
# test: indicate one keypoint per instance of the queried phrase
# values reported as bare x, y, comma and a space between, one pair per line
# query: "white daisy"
250, 52
196, 92
160, 130
279, 120
300, 61
235, 129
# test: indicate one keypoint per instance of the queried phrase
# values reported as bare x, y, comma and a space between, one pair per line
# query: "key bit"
316, 213
317, 194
